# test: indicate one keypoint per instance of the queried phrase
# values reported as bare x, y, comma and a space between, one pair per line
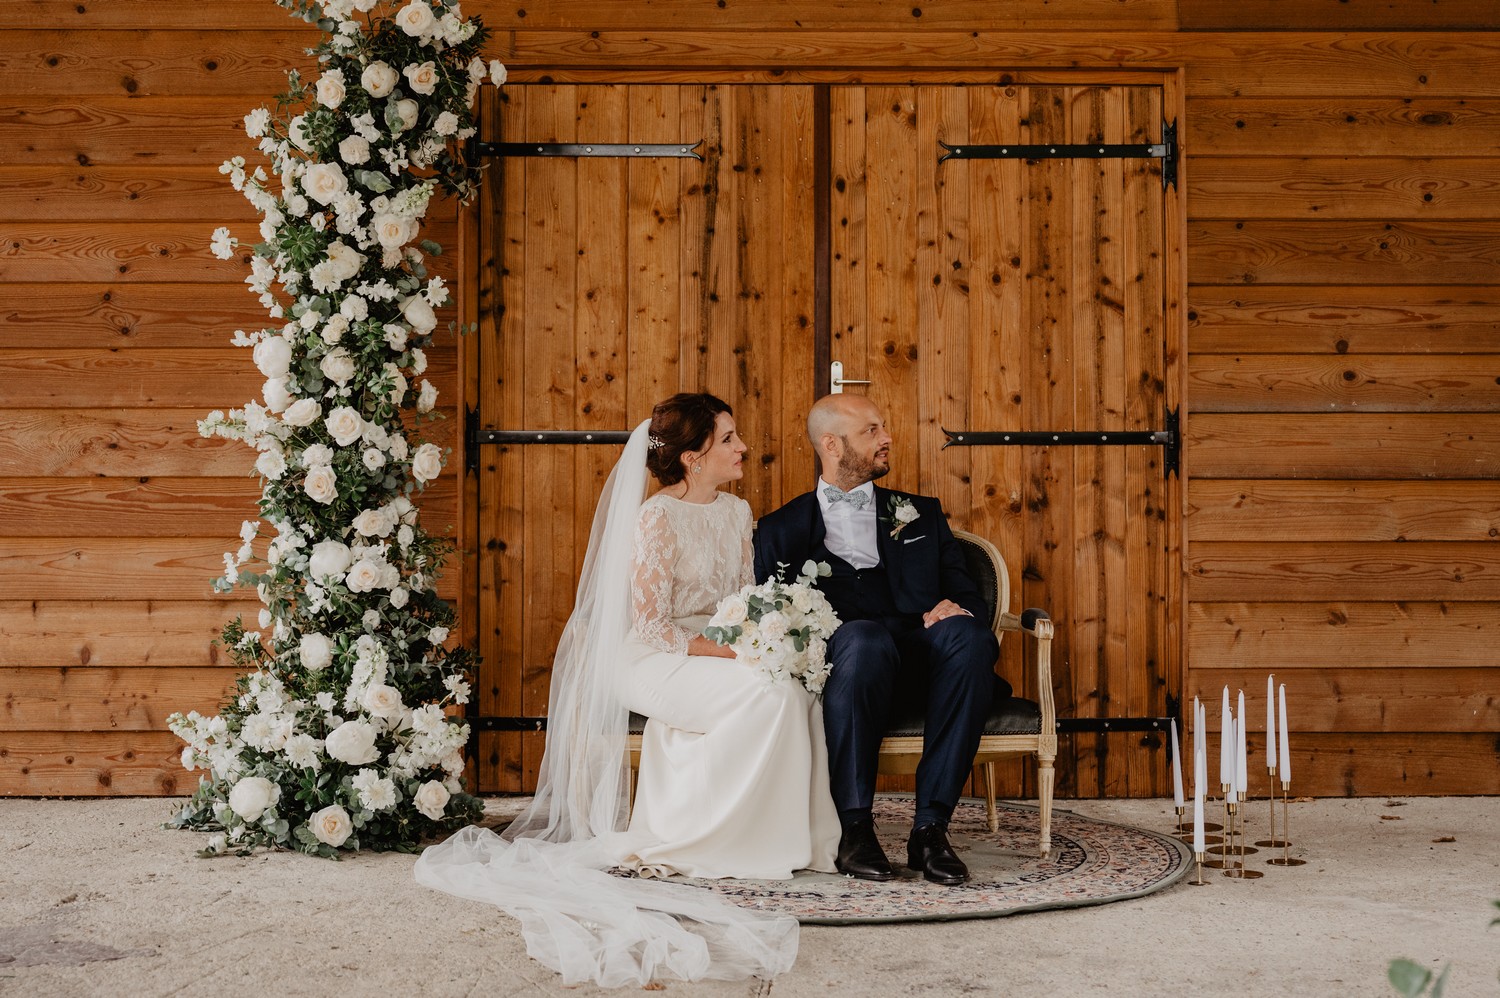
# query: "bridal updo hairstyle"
682, 423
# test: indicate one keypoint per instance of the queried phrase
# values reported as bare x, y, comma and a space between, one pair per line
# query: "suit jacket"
924, 563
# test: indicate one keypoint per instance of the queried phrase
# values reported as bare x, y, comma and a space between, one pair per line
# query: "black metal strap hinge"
1169, 439
475, 438
584, 150
1165, 150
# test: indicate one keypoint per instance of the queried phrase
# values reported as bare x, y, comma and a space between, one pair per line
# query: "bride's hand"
709, 648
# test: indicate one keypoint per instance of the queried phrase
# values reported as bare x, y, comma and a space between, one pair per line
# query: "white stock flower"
273, 355
317, 651
422, 77
353, 742
382, 701
364, 575
354, 150
418, 312
331, 90
427, 720
252, 795
324, 182
303, 412
344, 424
321, 484
337, 366
223, 243
427, 463
256, 122
431, 799
378, 79
270, 465
415, 18
331, 825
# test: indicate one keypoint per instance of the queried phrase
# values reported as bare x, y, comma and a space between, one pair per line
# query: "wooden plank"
793, 391
1342, 252
849, 233
1335, 15
104, 568
103, 699
1349, 697
161, 131
128, 252
119, 193
1342, 445
109, 316
93, 764
144, 506
147, 63
1344, 320
228, 15
1343, 570
130, 442
1240, 509
119, 633
1288, 127
1367, 383
1347, 187
655, 237
816, 15
1377, 635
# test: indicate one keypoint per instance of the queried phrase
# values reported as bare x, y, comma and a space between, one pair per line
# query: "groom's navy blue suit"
882, 654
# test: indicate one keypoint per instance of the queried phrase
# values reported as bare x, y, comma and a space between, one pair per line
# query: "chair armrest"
1039, 625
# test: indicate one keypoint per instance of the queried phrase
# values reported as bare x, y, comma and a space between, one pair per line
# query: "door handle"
836, 379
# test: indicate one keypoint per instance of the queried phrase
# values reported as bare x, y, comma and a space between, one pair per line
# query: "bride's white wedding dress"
734, 776
734, 770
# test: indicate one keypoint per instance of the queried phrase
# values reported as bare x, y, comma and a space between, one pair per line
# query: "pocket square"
913, 540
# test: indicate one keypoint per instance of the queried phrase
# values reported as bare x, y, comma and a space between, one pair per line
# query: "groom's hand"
947, 608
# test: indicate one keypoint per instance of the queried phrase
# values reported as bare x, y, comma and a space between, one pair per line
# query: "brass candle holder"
1225, 849
1286, 858
1200, 882
1273, 842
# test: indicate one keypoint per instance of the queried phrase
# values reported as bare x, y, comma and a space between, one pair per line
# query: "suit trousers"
949, 667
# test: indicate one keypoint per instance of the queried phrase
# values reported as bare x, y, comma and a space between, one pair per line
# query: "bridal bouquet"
781, 628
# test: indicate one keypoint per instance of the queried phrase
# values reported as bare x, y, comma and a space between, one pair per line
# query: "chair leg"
1044, 801
989, 797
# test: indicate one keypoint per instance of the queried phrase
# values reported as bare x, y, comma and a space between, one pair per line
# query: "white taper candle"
1282, 746
1226, 739
1271, 722
1176, 766
1241, 759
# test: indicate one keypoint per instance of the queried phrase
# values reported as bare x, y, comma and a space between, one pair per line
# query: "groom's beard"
860, 469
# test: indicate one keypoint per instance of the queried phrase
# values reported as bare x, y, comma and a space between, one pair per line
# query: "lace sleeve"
651, 582
747, 565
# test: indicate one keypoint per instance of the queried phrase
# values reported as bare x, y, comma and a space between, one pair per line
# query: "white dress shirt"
850, 531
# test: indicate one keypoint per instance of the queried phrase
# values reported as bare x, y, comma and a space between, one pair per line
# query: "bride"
733, 772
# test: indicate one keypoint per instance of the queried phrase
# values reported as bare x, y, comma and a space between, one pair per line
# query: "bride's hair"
684, 422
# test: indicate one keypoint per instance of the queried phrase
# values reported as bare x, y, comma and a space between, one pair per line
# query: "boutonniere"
901, 513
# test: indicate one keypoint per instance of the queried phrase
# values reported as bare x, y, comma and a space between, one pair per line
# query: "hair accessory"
655, 442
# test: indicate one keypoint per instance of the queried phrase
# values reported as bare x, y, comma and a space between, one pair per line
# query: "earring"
697, 469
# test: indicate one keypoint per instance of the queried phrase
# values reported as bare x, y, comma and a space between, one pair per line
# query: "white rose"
275, 393
906, 512
270, 464
252, 795
317, 651
399, 596
273, 355
334, 329
353, 742
321, 484
422, 77
427, 463
431, 799
398, 386
331, 825
418, 361
344, 424
324, 182
378, 79
418, 312
337, 366
497, 72
406, 112
363, 576
331, 89
354, 150
303, 412
373, 523
329, 558
415, 18
437, 635
382, 701
427, 397
373, 458
393, 231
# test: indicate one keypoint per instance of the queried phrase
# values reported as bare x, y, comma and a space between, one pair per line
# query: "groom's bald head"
849, 436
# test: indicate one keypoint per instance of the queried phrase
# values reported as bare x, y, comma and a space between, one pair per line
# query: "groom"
914, 630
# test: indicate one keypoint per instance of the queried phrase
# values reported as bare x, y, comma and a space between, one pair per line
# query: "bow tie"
859, 500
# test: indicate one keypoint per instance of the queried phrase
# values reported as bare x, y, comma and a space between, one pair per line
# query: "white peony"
432, 799
252, 795
329, 558
270, 465
317, 651
331, 89
331, 825
364, 575
383, 701
427, 463
303, 412
337, 366
321, 484
275, 393
406, 113
353, 742
378, 79
422, 77
418, 312
324, 182
355, 150
273, 355
344, 424
345, 261
415, 18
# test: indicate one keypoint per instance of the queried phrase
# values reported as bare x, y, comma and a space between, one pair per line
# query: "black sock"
853, 816
935, 813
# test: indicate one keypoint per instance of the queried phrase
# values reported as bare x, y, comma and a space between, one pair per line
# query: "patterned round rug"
1092, 862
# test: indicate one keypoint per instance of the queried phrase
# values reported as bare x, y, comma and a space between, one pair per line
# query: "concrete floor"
95, 899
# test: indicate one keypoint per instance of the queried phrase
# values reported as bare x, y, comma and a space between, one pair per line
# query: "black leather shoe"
928, 852
860, 854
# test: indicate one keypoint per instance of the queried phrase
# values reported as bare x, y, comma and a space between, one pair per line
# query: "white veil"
550, 868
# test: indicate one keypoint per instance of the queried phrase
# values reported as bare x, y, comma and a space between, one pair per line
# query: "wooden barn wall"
1342, 343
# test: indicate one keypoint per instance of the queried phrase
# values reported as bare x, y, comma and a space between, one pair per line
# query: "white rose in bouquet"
373, 458
331, 88
331, 825
364, 575
375, 522
321, 484
329, 558
415, 18
422, 77
344, 424
324, 182
383, 701
431, 799
303, 412
353, 742
317, 651
427, 397
378, 79
427, 463
779, 628
394, 231
252, 795
338, 366
273, 355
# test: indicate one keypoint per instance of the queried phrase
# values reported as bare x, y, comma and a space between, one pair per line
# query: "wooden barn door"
1025, 296
608, 284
